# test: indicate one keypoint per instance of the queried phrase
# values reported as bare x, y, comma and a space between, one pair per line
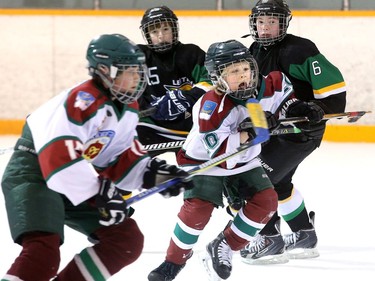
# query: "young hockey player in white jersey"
217, 117
78, 152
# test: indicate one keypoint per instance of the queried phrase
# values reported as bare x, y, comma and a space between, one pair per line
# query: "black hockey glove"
272, 121
309, 109
159, 171
170, 106
110, 203
247, 126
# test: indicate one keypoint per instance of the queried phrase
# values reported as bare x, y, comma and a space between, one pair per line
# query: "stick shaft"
260, 126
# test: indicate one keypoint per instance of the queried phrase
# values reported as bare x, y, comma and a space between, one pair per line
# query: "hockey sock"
192, 218
39, 259
269, 228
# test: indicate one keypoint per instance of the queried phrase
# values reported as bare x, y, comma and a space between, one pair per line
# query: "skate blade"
303, 253
272, 259
207, 263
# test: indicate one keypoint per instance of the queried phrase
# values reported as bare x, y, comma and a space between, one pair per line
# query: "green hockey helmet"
222, 54
108, 56
275, 8
153, 18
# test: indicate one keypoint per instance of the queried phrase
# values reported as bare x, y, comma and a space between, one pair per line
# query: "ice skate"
167, 271
218, 259
265, 249
302, 244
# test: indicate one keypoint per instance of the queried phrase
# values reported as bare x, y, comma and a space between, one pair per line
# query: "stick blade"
356, 115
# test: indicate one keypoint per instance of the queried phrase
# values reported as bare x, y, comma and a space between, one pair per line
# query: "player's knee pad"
119, 245
196, 212
261, 206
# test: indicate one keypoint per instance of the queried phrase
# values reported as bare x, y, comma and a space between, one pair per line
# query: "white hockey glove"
110, 203
159, 171
170, 106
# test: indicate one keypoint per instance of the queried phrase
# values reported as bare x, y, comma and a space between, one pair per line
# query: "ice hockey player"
317, 82
217, 116
177, 78
77, 153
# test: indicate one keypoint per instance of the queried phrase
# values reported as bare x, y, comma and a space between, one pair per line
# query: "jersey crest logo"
83, 100
207, 110
97, 144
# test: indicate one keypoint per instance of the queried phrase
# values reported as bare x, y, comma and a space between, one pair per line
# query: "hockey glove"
170, 106
309, 109
110, 203
247, 126
272, 121
159, 171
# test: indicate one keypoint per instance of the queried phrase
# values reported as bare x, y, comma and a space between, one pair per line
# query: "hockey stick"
179, 143
353, 116
261, 130
147, 112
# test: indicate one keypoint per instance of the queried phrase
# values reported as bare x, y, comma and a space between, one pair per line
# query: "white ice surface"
337, 182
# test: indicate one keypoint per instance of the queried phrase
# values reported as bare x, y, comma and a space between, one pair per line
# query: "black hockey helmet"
110, 54
222, 54
276, 8
152, 19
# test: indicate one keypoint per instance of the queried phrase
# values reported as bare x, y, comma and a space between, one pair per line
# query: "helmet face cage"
127, 96
153, 19
245, 91
274, 8
222, 55
109, 55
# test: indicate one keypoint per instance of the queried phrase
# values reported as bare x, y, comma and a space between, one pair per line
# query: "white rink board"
50, 51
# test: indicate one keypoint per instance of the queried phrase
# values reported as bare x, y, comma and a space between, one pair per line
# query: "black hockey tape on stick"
353, 116
262, 134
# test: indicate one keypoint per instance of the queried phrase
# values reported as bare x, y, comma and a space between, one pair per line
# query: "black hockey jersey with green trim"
312, 75
181, 68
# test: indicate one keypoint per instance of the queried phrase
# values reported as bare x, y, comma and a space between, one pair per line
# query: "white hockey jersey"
81, 133
215, 130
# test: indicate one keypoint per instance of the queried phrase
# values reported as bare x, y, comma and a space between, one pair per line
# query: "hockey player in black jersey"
316, 81
177, 78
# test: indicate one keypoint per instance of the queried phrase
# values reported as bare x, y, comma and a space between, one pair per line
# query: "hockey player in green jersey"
77, 154
319, 83
177, 78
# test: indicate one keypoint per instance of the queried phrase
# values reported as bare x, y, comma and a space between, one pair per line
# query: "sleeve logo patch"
207, 110
83, 100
